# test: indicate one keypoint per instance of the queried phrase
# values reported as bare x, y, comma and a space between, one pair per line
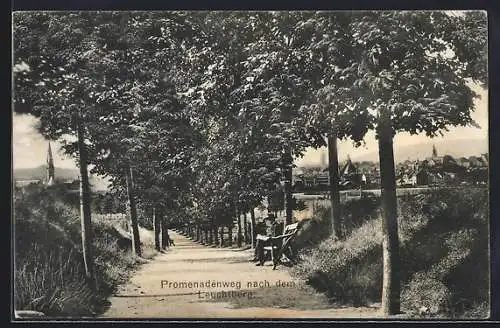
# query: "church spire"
434, 151
50, 167
323, 160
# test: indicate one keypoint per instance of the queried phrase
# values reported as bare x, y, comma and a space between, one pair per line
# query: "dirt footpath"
179, 283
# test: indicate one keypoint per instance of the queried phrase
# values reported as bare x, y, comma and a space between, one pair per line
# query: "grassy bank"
298, 298
49, 271
444, 238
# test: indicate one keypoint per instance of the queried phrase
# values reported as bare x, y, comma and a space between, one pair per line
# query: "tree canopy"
208, 109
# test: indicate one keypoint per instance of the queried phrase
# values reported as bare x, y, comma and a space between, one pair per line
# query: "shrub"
346, 270
425, 296
314, 230
355, 212
443, 237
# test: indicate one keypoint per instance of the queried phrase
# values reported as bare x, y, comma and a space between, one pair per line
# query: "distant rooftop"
23, 183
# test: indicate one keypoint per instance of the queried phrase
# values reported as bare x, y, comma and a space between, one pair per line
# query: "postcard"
250, 165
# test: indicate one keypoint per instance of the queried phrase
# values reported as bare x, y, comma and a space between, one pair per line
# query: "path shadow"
215, 260
154, 295
103, 306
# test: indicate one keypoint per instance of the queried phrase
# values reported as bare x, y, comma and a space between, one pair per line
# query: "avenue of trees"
197, 116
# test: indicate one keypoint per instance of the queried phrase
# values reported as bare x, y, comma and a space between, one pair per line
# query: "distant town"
434, 170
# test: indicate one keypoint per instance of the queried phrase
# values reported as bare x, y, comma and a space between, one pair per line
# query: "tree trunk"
221, 239
239, 234
252, 215
269, 206
245, 226
136, 243
164, 231
85, 214
288, 186
390, 243
209, 236
230, 235
157, 229
333, 170
216, 235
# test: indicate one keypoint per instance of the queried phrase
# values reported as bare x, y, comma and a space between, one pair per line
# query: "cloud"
29, 147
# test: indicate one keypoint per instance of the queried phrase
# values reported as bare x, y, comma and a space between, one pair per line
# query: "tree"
217, 113
146, 130
52, 77
103, 63
331, 74
275, 87
412, 72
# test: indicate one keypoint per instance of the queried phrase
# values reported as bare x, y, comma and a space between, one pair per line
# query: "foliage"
443, 236
49, 271
170, 87
357, 211
210, 108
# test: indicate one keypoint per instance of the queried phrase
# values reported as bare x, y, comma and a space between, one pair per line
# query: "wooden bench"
277, 248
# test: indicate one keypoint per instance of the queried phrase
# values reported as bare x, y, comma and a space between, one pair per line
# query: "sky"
346, 148
30, 148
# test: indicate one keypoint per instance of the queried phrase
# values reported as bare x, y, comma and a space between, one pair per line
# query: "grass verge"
301, 297
443, 238
49, 273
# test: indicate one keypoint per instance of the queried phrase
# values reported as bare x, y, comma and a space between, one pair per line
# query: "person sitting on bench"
264, 232
280, 245
265, 236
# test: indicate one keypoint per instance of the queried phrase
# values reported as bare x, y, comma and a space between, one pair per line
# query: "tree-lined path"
143, 296
197, 117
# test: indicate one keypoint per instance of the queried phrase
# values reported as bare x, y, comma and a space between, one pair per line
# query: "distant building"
350, 177
48, 180
25, 183
323, 178
324, 163
414, 175
443, 170
464, 162
485, 158
407, 178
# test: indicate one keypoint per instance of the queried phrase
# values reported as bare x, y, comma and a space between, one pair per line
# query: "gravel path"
166, 286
